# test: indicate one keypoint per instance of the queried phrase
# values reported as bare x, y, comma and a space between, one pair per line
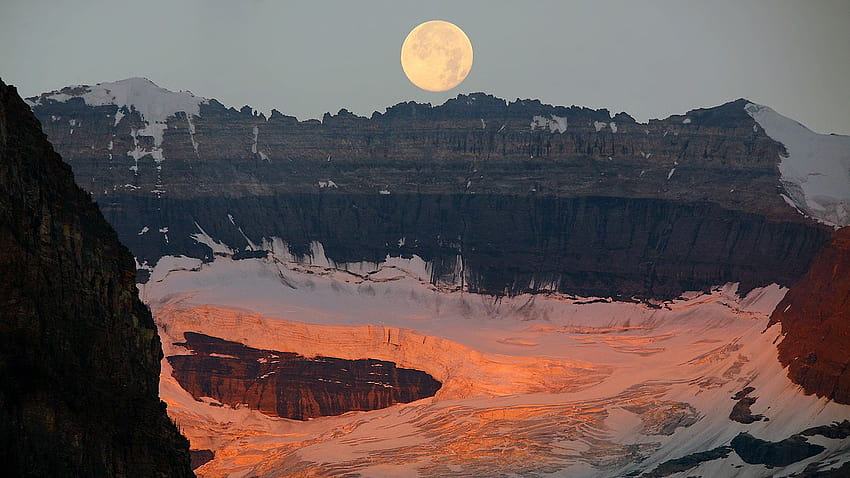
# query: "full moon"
436, 56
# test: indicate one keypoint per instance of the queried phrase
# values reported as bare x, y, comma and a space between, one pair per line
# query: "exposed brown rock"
815, 317
200, 457
741, 412
288, 385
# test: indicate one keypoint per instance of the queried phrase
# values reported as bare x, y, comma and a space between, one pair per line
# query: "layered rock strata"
289, 385
500, 197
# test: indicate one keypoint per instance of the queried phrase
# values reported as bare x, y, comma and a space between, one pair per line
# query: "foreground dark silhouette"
79, 353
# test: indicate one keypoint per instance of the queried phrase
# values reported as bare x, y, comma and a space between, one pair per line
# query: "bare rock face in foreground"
79, 353
289, 385
815, 317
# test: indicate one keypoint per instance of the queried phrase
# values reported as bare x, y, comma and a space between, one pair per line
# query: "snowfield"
816, 168
534, 385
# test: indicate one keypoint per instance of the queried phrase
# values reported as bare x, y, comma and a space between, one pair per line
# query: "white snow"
191, 127
598, 125
532, 385
670, 174
613, 126
144, 230
553, 123
203, 238
384, 192
251, 246
327, 184
815, 172
686, 121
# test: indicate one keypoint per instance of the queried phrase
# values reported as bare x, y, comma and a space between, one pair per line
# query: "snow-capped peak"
815, 172
155, 104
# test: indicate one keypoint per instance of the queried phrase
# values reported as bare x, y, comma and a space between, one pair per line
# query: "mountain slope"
79, 353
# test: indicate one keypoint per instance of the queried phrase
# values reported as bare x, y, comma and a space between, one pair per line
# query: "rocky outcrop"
79, 353
741, 411
288, 385
774, 454
200, 457
685, 463
815, 318
500, 197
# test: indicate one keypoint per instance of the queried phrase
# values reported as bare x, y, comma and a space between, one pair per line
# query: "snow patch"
553, 124
203, 238
154, 104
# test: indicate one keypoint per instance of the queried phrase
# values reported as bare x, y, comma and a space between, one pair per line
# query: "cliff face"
590, 246
474, 144
79, 353
500, 197
288, 385
815, 317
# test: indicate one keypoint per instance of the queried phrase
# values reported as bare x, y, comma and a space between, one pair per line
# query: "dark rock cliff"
79, 353
529, 196
592, 246
289, 385
815, 317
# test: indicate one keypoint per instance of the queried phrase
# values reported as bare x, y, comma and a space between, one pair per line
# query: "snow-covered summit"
815, 171
155, 104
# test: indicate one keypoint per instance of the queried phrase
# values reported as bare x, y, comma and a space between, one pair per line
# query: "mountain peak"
154, 103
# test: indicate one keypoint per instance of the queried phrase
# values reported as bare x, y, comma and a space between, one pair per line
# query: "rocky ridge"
483, 189
472, 144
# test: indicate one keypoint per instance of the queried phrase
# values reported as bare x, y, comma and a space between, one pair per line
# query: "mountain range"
554, 290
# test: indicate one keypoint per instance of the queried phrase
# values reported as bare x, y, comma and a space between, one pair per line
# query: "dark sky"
648, 58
